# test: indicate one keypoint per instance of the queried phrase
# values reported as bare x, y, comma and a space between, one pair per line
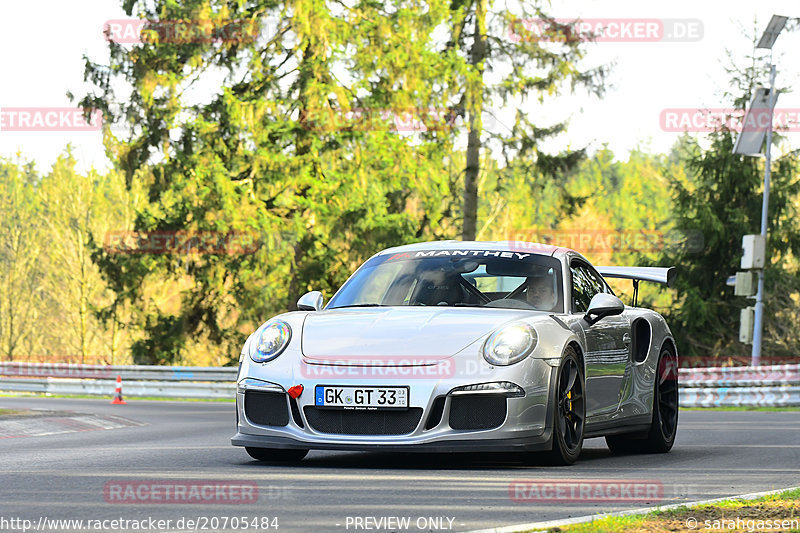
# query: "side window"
583, 288
597, 281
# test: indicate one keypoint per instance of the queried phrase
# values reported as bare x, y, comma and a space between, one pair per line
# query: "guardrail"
137, 380
777, 386
132, 372
105, 387
766, 386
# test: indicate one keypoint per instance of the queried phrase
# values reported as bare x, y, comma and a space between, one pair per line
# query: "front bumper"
527, 425
517, 444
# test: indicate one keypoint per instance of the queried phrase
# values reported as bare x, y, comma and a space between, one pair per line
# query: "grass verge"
12, 412
775, 512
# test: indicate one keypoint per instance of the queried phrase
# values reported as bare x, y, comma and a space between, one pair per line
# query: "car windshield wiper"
357, 305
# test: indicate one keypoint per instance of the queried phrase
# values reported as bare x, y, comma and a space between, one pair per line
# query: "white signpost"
749, 142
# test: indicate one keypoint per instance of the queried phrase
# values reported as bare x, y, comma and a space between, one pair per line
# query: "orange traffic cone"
118, 393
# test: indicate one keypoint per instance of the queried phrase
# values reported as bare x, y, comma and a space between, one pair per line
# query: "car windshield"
460, 278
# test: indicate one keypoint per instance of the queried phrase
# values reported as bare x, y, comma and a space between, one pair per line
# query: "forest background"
347, 128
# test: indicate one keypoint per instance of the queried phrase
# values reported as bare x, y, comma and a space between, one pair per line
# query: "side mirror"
601, 306
310, 301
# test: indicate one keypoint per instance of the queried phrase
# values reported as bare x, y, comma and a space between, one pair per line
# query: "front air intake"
351, 422
482, 411
266, 408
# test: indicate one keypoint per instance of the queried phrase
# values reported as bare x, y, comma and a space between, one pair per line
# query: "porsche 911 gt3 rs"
463, 346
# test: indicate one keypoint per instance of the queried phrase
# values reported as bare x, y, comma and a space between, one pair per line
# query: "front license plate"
364, 398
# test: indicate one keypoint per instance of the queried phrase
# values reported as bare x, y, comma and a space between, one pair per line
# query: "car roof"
514, 246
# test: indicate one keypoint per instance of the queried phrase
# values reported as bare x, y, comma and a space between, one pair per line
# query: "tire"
271, 455
664, 425
569, 411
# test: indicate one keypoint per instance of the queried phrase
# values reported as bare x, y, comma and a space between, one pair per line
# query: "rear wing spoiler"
663, 275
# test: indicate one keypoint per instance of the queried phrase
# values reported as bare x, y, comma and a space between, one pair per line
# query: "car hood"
399, 331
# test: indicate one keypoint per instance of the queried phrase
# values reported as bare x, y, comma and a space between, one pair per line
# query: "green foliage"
21, 281
502, 62
721, 197
274, 153
50, 289
338, 130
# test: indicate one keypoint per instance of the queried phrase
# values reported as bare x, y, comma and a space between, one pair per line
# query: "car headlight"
510, 344
270, 341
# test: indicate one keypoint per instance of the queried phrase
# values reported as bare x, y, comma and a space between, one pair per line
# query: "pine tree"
297, 148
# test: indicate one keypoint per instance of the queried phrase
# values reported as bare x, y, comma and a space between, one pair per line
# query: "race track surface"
95, 474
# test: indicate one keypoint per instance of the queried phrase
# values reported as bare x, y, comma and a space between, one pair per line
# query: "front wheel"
272, 455
569, 411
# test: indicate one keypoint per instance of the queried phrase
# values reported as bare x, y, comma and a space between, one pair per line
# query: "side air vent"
641, 339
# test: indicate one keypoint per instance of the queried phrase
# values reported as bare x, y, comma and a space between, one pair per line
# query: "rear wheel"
664, 426
569, 411
272, 455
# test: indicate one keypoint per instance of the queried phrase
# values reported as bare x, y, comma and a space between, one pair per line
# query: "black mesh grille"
266, 408
436, 413
477, 412
349, 422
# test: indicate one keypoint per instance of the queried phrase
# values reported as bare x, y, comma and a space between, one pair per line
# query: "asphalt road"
74, 475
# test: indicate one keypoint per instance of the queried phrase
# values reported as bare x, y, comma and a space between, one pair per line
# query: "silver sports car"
463, 346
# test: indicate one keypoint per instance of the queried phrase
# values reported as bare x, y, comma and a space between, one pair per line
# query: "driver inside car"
540, 292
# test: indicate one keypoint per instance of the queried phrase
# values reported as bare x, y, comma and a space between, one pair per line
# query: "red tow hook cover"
295, 391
